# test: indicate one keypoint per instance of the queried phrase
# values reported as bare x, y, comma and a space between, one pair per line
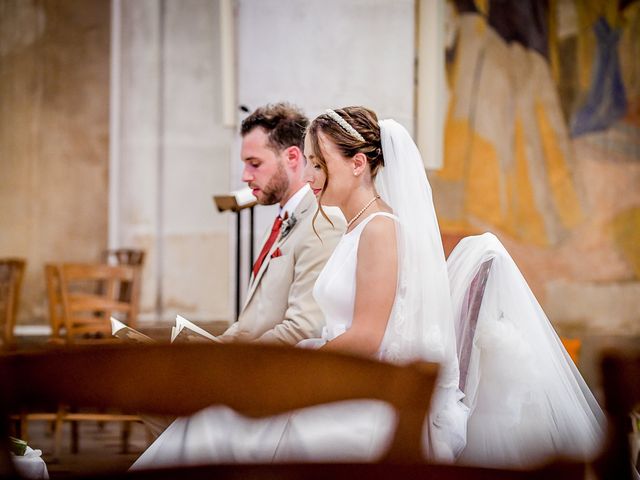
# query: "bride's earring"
359, 164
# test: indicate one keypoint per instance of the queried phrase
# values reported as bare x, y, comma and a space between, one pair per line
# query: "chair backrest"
83, 296
11, 274
54, 299
469, 318
256, 380
621, 382
127, 256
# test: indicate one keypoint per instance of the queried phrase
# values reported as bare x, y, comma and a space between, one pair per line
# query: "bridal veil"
525, 400
421, 323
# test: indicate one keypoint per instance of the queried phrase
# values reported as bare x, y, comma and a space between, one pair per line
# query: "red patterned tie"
275, 230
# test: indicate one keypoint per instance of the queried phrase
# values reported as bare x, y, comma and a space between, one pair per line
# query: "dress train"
528, 402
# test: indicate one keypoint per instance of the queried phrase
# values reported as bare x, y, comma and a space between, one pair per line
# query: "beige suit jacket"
280, 307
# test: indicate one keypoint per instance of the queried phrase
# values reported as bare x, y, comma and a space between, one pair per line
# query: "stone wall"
172, 154
54, 133
170, 151
321, 55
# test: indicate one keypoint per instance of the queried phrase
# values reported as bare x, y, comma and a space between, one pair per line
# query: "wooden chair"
621, 382
54, 302
11, 274
256, 380
134, 258
56, 414
83, 296
125, 256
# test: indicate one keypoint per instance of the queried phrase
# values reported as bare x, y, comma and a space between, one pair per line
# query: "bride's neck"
356, 201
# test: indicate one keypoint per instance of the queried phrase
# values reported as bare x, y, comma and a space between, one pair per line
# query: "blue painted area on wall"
606, 100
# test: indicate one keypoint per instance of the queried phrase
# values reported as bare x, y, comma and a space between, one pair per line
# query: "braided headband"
344, 124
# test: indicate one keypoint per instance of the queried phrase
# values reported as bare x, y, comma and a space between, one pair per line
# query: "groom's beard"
276, 188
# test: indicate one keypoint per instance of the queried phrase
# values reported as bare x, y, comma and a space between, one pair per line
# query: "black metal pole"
238, 255
251, 252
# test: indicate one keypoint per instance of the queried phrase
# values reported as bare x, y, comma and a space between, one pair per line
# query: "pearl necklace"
362, 211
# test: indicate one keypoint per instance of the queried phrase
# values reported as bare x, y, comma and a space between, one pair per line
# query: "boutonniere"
287, 225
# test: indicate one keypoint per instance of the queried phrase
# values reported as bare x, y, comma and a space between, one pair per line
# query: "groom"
280, 307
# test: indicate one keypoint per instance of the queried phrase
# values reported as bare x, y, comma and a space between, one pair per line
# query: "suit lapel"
300, 212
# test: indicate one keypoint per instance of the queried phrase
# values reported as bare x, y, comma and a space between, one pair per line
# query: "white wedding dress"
344, 431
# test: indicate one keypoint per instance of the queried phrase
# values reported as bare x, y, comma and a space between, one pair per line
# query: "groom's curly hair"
285, 125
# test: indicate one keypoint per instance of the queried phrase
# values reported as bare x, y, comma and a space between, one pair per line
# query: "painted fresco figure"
606, 100
508, 159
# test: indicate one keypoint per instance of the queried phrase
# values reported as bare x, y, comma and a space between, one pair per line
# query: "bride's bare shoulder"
379, 234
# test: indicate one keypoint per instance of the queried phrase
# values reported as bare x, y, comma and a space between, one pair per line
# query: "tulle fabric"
421, 322
528, 402
350, 431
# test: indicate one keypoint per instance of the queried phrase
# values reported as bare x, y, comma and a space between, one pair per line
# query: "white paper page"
116, 326
182, 322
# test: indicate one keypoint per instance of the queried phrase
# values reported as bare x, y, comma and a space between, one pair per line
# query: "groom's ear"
294, 157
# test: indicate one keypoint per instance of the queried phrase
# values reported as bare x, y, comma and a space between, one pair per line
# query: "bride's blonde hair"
365, 122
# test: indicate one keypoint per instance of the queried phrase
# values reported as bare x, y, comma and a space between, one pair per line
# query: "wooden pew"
254, 380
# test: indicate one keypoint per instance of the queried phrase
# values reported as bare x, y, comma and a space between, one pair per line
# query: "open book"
182, 331
185, 331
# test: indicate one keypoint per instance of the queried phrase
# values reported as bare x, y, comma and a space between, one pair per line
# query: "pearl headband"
344, 124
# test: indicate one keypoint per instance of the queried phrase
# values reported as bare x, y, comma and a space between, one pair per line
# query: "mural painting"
542, 138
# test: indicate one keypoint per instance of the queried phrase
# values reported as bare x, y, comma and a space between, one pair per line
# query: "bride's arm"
376, 280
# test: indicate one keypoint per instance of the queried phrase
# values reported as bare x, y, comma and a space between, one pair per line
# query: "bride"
384, 293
